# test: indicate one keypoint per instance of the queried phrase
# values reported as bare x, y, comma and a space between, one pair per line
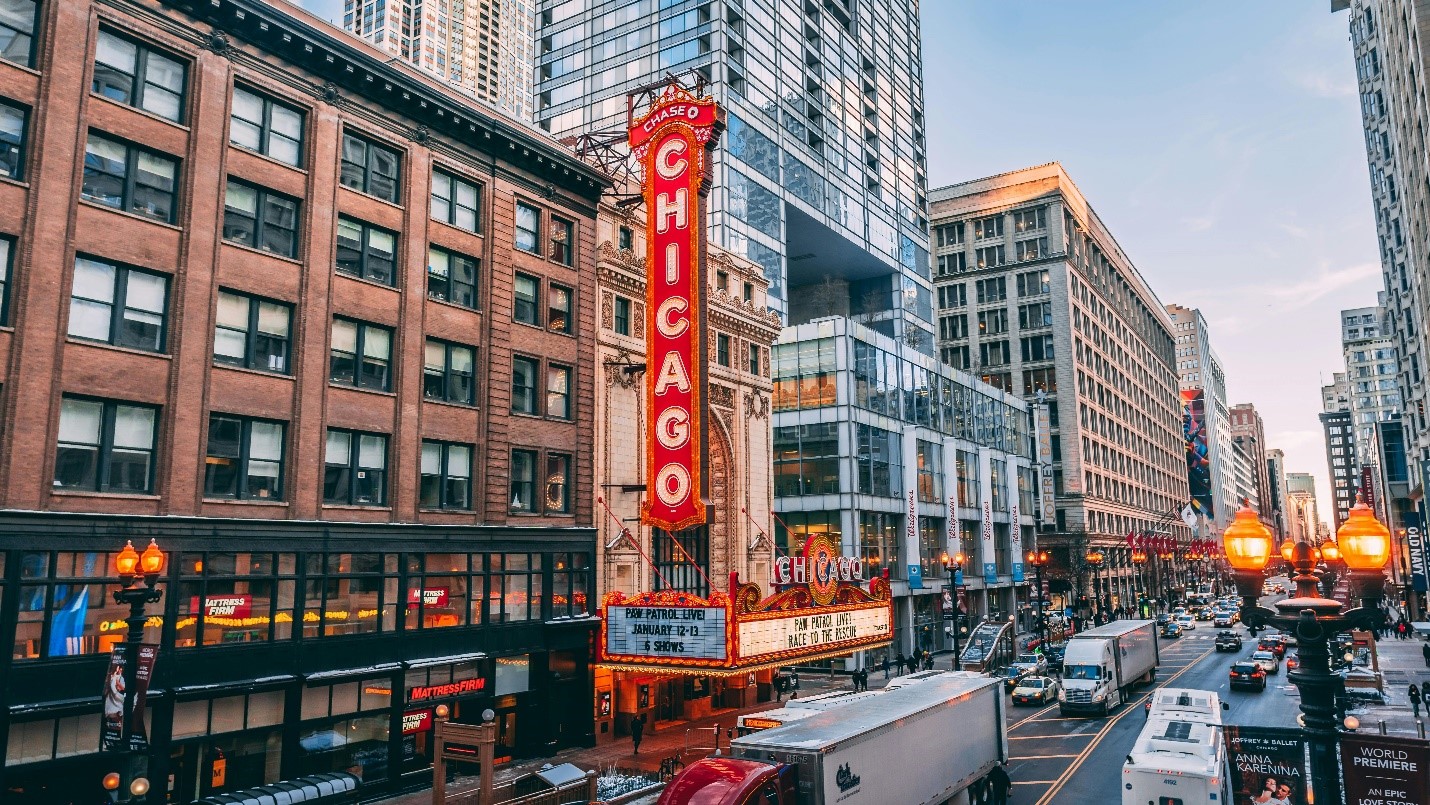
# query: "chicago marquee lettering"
672, 142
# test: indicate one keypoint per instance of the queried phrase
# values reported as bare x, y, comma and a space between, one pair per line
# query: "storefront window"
67, 610
442, 597
792, 529
235, 598
513, 675
879, 543
515, 587
356, 593
355, 745
570, 575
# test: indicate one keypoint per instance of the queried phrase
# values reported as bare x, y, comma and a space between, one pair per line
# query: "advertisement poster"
1268, 764
1378, 770
111, 731
1199, 465
1415, 543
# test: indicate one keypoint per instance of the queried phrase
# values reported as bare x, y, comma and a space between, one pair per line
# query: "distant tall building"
1276, 478
1036, 297
1199, 371
1341, 461
1302, 518
1390, 58
483, 47
1248, 431
1336, 395
1370, 374
820, 176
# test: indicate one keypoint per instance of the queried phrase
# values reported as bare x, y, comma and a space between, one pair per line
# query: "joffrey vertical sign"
672, 142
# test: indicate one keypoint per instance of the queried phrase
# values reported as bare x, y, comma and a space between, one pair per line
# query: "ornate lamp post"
953, 566
1365, 548
1139, 561
131, 567
1094, 558
1038, 559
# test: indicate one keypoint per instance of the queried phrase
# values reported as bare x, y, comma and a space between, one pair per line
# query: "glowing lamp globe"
1330, 552
1364, 542
127, 560
152, 560
1247, 542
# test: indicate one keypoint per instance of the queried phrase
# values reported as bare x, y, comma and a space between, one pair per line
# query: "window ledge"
455, 228
448, 303
142, 112
364, 280
355, 507
247, 370
10, 180
136, 216
267, 158
71, 339
450, 404
255, 250
378, 392
393, 204
279, 504
83, 493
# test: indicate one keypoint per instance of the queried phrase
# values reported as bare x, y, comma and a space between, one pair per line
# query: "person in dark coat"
637, 732
1415, 700
886, 668
1000, 784
1425, 650
899, 663
1425, 692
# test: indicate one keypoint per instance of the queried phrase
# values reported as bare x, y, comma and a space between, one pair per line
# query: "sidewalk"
669, 740
1401, 663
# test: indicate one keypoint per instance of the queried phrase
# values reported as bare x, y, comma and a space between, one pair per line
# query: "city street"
1055, 759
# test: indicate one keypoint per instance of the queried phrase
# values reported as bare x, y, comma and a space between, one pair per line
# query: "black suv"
1228, 641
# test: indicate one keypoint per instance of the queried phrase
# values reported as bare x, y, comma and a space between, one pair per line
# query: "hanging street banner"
821, 609
1415, 544
1383, 770
1268, 764
673, 142
111, 730
1016, 539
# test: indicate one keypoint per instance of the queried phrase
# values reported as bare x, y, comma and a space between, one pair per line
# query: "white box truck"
1181, 754
1101, 665
923, 744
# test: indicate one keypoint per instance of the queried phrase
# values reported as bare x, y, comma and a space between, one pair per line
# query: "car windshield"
1262, 655
1036, 683
1081, 672
1012, 672
1030, 659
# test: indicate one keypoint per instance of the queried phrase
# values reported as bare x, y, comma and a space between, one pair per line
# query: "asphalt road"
1055, 759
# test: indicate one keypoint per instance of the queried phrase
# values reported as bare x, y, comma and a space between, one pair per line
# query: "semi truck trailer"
1101, 665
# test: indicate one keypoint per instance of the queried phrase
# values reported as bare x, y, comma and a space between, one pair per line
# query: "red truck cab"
731, 781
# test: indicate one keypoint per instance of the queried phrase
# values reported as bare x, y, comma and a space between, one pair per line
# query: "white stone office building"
486, 48
1035, 296
903, 460
1371, 364
1336, 395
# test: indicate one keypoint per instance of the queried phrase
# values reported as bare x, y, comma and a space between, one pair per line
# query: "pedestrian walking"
977, 791
637, 732
1425, 650
1000, 784
899, 663
1415, 700
886, 668
1425, 693
794, 685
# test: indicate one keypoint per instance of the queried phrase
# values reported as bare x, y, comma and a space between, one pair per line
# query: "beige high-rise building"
1249, 433
1302, 516
483, 47
1035, 296
1336, 395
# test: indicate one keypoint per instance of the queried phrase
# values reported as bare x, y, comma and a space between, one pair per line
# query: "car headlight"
1062, 696
1097, 697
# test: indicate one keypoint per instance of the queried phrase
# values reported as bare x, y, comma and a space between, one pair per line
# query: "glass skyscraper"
821, 174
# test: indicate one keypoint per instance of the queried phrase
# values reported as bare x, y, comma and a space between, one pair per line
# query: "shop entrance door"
670, 698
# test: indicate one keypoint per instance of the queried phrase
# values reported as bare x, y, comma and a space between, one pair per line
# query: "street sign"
1381, 769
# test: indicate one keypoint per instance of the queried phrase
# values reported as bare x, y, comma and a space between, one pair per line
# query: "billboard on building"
1268, 764
673, 141
1199, 465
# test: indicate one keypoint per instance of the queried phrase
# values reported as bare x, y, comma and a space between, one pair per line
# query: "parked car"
1032, 663
1228, 641
1247, 675
1170, 629
1187, 622
1035, 689
1271, 643
1267, 660
1012, 676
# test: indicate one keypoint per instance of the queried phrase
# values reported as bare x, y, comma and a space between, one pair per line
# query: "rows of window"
111, 446
222, 598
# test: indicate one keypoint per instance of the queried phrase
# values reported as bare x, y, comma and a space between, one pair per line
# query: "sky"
1220, 141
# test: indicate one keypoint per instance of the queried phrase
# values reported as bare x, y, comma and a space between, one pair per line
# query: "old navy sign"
1415, 545
672, 143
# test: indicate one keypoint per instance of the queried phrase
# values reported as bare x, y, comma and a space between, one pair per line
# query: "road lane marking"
1097, 739
1039, 757
1041, 737
1033, 782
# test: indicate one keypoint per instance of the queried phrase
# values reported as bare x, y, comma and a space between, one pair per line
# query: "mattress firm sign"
656, 633
808, 632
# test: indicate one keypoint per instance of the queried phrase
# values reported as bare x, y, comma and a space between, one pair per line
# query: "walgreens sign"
672, 141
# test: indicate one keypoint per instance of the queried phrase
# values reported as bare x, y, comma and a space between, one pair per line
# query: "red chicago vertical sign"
672, 141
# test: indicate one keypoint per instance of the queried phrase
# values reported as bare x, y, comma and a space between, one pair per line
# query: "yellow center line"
1039, 757
1034, 782
1039, 737
1111, 722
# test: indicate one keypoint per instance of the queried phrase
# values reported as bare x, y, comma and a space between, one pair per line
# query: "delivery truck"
1101, 665
1181, 754
922, 744
796, 709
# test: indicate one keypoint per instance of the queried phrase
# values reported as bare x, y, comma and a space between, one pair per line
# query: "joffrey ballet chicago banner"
672, 142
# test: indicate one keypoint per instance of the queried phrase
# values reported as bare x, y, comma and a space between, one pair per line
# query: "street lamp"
1139, 560
132, 567
1364, 546
1038, 559
953, 565
1094, 558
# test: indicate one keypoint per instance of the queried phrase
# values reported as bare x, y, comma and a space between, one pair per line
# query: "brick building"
327, 333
